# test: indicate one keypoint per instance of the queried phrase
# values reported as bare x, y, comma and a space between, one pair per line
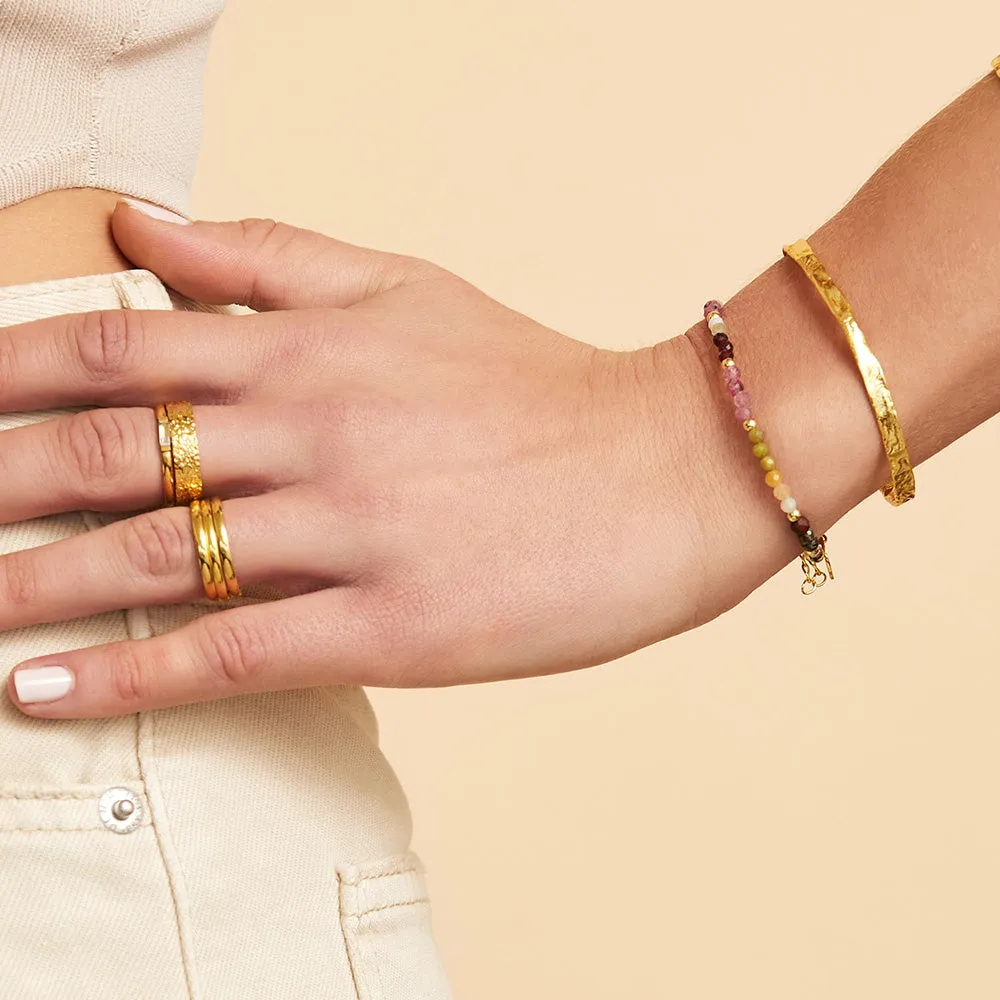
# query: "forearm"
917, 252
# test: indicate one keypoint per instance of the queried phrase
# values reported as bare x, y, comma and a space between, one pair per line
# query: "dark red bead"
801, 526
720, 340
726, 352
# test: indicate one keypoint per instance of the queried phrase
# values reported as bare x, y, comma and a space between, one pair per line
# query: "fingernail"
156, 212
38, 684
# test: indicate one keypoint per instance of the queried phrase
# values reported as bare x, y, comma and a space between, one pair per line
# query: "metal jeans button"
120, 810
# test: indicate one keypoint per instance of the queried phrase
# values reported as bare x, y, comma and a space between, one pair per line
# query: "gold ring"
166, 454
207, 553
996, 65
186, 458
231, 584
215, 558
903, 486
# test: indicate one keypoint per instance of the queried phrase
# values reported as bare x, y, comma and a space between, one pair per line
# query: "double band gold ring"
180, 458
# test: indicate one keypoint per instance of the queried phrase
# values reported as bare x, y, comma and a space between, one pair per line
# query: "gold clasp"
816, 577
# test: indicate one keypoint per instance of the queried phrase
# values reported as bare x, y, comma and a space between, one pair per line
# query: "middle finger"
109, 460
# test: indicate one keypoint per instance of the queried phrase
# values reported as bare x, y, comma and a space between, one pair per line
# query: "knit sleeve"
104, 94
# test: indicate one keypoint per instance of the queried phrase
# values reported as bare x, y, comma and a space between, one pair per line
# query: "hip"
255, 846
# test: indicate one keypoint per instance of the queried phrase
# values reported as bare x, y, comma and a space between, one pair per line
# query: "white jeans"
268, 854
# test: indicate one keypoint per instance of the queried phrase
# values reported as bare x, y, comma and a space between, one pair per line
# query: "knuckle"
418, 269
266, 240
405, 625
231, 651
108, 343
100, 446
156, 546
18, 579
299, 345
130, 678
381, 504
259, 234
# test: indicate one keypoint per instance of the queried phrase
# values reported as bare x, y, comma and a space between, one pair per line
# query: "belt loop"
141, 289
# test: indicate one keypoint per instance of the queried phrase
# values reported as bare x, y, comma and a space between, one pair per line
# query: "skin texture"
62, 234
449, 491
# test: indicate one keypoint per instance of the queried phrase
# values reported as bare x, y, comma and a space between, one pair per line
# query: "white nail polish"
38, 684
156, 212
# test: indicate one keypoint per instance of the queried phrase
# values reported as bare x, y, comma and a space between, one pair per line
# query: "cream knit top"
102, 93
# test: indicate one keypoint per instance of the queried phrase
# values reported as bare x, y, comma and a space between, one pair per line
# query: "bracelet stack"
814, 558
901, 487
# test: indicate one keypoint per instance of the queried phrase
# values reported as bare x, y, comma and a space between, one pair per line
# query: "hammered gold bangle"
185, 454
166, 453
903, 486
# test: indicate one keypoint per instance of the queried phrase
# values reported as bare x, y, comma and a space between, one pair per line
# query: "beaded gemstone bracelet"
813, 549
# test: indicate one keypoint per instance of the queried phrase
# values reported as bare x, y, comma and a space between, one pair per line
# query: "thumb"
255, 262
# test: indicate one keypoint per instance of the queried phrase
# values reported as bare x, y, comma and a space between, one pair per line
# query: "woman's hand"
447, 491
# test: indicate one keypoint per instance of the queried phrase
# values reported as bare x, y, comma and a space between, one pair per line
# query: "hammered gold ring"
179, 453
215, 557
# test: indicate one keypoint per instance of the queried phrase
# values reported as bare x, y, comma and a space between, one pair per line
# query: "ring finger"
153, 559
109, 459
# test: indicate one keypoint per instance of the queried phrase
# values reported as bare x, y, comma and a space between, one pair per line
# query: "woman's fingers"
152, 559
129, 356
257, 262
328, 637
109, 459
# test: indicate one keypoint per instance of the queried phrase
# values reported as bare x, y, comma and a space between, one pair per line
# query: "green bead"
767, 463
760, 449
756, 435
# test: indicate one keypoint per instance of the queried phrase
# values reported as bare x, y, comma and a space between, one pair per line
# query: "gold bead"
795, 515
728, 363
749, 425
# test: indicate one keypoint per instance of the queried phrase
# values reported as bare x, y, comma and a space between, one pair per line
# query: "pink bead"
713, 306
734, 387
731, 374
742, 399
742, 413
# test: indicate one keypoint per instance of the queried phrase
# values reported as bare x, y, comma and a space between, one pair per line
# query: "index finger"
129, 356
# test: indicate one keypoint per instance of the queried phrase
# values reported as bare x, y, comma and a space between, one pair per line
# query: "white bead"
716, 323
788, 504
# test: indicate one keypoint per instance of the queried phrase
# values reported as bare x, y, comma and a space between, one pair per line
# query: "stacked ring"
166, 454
184, 449
180, 457
232, 585
215, 558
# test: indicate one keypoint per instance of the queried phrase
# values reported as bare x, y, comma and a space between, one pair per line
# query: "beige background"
799, 800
